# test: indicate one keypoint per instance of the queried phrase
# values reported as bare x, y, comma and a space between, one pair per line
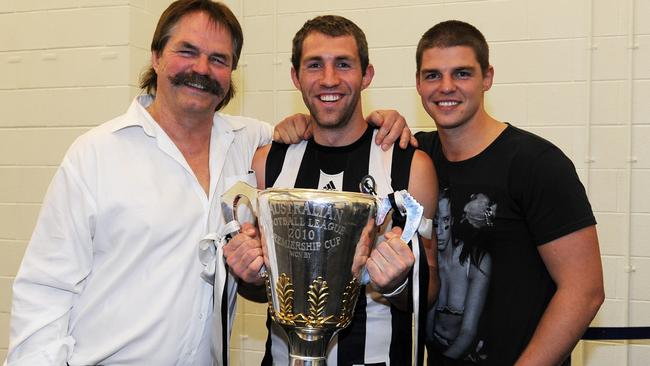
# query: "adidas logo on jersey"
330, 186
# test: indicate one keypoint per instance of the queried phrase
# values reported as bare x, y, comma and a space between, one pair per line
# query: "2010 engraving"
305, 227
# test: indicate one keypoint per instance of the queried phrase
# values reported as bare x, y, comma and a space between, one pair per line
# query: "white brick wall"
568, 70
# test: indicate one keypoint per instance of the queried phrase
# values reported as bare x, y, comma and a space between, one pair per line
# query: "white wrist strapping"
398, 290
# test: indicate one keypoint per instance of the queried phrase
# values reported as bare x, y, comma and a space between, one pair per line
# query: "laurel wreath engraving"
285, 297
317, 297
347, 305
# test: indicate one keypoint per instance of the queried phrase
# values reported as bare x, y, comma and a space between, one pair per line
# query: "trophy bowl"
315, 245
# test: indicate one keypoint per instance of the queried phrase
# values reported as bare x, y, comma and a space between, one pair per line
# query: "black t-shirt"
520, 192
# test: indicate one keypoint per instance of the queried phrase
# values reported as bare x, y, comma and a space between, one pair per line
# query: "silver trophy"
315, 243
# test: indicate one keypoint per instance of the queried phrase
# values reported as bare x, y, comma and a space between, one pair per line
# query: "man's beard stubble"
342, 121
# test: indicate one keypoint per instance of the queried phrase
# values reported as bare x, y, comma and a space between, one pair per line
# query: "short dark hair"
453, 33
218, 13
333, 26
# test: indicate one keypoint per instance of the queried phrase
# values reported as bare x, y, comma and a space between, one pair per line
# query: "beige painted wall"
575, 72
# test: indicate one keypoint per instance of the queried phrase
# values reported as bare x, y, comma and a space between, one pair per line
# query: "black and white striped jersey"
380, 334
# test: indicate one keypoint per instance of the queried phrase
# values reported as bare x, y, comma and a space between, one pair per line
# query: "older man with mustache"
112, 274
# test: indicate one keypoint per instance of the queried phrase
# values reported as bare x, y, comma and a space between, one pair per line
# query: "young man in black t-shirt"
519, 220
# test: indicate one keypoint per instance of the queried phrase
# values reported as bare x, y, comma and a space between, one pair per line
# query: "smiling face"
194, 69
330, 79
451, 85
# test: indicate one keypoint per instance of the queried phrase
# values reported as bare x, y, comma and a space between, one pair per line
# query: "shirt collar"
137, 115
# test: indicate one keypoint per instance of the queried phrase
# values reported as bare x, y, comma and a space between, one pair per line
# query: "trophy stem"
306, 361
308, 346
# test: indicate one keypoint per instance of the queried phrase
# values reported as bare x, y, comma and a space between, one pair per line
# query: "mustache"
194, 80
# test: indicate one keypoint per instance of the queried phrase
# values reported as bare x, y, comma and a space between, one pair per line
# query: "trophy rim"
304, 193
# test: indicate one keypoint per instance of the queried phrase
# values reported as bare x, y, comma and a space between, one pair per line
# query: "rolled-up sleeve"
266, 134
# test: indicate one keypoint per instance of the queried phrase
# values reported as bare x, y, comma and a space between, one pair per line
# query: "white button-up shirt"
111, 275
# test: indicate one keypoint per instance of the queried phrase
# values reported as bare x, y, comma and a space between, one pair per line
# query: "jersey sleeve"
553, 199
425, 141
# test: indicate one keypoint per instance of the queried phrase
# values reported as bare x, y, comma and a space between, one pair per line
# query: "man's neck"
466, 141
182, 129
341, 136
191, 135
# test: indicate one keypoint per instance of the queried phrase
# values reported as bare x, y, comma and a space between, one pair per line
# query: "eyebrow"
471, 68
185, 44
459, 68
320, 58
312, 58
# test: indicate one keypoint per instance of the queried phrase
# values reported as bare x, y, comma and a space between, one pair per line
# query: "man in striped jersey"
330, 68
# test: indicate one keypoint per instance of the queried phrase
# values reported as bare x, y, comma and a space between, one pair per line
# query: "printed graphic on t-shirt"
330, 182
479, 211
464, 271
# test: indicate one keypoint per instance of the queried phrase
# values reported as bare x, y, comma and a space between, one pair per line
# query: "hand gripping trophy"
315, 243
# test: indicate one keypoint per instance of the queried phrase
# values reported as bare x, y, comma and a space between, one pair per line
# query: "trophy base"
306, 361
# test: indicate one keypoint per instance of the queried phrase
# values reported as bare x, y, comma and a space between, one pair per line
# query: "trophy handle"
230, 199
406, 205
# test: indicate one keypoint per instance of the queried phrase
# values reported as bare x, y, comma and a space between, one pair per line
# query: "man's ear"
488, 78
294, 78
367, 78
155, 61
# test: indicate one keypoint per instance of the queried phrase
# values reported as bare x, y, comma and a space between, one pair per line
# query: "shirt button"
201, 316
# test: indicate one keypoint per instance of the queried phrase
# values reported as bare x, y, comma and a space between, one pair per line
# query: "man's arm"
391, 260
573, 262
392, 126
53, 271
259, 165
293, 129
423, 186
